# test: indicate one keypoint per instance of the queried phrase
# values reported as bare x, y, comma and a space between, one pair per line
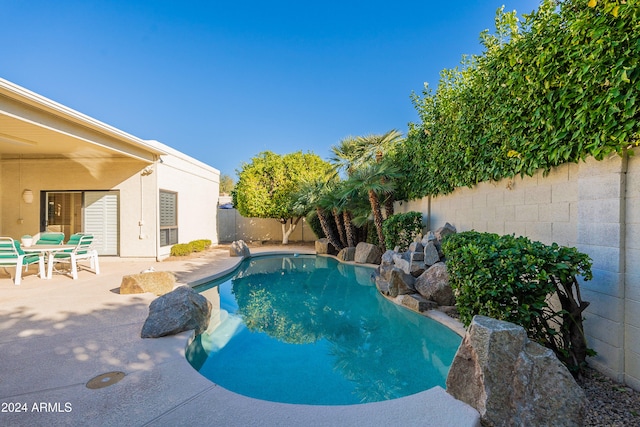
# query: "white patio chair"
81, 252
11, 255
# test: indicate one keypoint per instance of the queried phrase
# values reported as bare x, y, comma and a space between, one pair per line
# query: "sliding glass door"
64, 213
94, 212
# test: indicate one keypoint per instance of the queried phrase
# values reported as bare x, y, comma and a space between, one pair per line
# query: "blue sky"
223, 81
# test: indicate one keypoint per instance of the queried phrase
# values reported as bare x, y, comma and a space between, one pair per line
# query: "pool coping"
57, 335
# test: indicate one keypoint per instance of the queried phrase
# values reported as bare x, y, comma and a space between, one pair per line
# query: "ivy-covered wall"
558, 87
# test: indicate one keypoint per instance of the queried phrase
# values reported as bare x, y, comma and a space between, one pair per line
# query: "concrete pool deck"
57, 335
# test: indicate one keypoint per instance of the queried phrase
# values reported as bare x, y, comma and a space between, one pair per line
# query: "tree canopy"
267, 186
226, 184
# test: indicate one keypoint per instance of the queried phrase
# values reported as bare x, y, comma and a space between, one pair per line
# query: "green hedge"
400, 229
511, 278
184, 249
558, 87
181, 249
200, 245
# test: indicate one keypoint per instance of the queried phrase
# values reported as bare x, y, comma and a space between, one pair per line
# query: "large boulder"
366, 253
400, 283
155, 282
443, 231
239, 248
434, 285
511, 380
323, 247
431, 254
347, 254
415, 247
417, 302
181, 310
410, 262
388, 258
382, 284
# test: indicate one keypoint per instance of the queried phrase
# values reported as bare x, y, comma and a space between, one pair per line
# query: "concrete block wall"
601, 193
632, 274
232, 226
593, 206
544, 208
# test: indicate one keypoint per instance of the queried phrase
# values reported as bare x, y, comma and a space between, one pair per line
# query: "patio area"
56, 335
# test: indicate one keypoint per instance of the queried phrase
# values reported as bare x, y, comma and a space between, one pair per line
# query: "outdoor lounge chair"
82, 251
11, 255
50, 238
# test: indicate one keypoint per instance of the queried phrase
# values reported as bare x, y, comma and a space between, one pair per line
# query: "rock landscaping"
156, 282
513, 381
419, 273
239, 249
180, 310
366, 253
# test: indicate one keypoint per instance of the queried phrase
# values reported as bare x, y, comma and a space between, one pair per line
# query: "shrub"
511, 278
400, 229
181, 249
199, 245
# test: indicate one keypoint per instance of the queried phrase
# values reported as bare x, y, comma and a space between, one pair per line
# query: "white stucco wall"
104, 174
197, 185
594, 206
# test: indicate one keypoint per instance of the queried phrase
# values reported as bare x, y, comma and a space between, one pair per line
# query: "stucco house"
61, 170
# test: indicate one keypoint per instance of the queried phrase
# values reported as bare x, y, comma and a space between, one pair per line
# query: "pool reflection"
311, 330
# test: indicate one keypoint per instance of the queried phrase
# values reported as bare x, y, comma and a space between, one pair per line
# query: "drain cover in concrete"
105, 380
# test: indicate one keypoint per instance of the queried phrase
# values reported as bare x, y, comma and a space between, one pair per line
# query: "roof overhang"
32, 126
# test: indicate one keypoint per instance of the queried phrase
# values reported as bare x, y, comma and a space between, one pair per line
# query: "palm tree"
347, 155
310, 197
345, 206
376, 179
375, 148
331, 202
360, 157
359, 210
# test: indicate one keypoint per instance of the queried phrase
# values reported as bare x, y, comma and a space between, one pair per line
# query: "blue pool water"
310, 330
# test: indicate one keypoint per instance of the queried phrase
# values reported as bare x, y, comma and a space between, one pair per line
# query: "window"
168, 218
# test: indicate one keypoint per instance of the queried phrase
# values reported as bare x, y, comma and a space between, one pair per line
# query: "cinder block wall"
232, 226
632, 273
594, 206
542, 208
601, 195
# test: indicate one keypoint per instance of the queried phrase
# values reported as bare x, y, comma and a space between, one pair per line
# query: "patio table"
49, 251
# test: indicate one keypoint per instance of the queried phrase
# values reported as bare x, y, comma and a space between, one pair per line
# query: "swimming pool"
310, 330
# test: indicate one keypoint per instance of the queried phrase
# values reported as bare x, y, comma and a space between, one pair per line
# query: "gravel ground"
610, 403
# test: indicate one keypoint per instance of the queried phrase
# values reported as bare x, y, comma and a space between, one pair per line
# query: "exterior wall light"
27, 196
